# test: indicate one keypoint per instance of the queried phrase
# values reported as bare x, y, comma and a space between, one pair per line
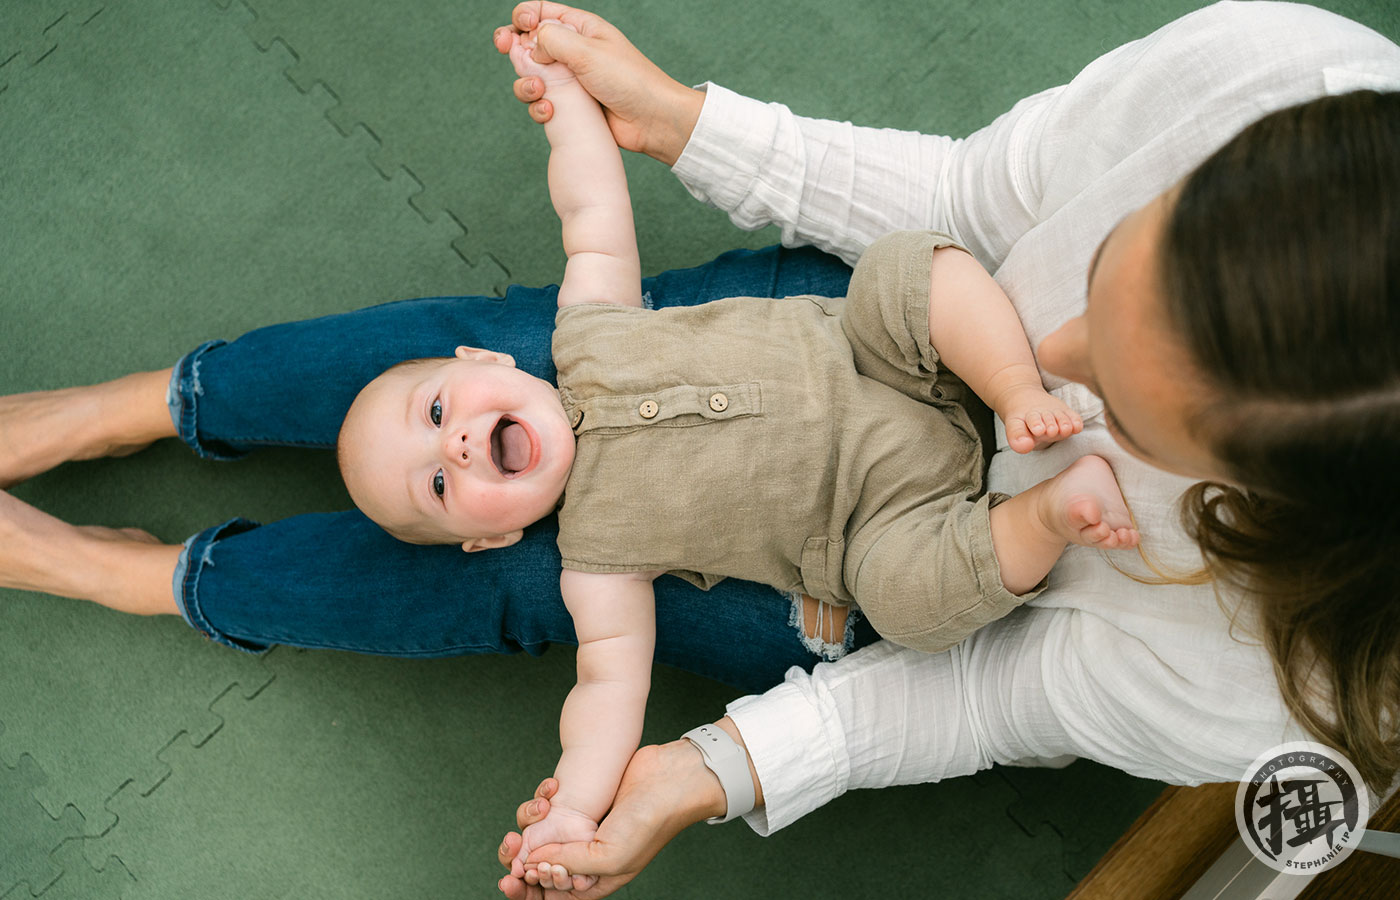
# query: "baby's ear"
492, 543
480, 355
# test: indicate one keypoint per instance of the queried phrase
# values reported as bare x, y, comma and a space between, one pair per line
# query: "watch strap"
730, 763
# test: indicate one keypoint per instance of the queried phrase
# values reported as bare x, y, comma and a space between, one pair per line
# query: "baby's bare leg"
127, 570
42, 429
1081, 505
978, 336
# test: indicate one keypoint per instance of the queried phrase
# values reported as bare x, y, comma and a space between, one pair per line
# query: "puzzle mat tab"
349, 777
1087, 806
411, 77
31, 31
28, 834
174, 186
306, 779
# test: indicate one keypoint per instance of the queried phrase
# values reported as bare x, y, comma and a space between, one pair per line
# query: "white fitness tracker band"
730, 764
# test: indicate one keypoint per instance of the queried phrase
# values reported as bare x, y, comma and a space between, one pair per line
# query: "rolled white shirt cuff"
732, 137
797, 746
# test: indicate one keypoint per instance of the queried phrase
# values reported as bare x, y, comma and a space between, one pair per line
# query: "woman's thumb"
562, 43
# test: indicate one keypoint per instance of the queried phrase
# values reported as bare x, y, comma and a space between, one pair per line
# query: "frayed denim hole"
826, 651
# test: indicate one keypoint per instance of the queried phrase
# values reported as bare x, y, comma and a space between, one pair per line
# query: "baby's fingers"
555, 878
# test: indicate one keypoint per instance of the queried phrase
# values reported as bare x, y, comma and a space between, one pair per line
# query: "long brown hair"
1281, 267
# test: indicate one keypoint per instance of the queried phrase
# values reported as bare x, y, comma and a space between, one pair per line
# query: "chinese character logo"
1301, 807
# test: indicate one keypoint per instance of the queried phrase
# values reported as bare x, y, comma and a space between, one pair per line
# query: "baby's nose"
457, 451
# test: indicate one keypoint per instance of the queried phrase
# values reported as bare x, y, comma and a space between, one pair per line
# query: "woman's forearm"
669, 130
838, 186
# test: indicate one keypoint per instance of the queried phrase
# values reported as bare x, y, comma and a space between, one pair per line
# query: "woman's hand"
665, 789
647, 110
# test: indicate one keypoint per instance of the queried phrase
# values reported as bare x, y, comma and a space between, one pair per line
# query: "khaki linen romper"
808, 443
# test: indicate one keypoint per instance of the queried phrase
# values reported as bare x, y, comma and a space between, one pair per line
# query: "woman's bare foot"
1084, 505
125, 569
41, 429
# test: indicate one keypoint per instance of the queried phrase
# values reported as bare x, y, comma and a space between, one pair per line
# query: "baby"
817, 445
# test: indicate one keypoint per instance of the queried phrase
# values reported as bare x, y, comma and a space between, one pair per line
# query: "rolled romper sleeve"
1148, 680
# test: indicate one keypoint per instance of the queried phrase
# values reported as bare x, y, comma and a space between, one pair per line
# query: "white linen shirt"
1147, 679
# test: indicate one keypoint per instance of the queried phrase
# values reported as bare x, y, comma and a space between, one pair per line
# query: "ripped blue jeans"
335, 580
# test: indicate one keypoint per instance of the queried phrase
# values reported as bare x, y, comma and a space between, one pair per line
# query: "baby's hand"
521, 48
560, 826
1036, 419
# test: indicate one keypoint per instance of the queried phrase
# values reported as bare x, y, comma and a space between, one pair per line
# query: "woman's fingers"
502, 38
534, 810
513, 885
529, 89
510, 846
528, 15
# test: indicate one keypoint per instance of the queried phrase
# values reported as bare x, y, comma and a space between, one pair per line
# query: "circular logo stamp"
1301, 807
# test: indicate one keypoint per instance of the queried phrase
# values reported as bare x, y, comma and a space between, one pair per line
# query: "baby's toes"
1035, 423
1095, 535
1083, 513
584, 882
1018, 437
1069, 422
1125, 538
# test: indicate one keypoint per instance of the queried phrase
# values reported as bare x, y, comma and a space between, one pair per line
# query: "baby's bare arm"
601, 725
589, 189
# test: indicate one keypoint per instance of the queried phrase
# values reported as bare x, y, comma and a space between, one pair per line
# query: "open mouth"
514, 449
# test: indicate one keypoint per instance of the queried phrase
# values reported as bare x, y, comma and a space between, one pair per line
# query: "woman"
1147, 680
1241, 326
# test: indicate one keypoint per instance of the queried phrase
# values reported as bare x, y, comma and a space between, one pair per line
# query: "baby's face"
464, 450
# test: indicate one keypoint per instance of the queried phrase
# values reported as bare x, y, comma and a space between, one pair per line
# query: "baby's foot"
1036, 419
41, 429
1084, 505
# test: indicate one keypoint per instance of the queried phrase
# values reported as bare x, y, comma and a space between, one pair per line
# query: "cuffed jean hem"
183, 399
194, 558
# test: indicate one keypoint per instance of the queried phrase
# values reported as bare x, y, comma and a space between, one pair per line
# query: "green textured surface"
176, 170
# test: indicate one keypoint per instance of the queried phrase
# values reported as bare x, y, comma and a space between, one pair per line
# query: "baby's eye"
438, 485
436, 412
